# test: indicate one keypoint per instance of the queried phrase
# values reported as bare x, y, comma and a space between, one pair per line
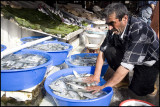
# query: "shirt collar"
122, 35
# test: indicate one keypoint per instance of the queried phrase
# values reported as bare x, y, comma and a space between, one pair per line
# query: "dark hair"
119, 9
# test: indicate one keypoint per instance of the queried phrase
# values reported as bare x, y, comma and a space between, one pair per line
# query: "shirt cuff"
128, 66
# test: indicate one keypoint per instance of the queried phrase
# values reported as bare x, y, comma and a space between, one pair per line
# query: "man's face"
115, 25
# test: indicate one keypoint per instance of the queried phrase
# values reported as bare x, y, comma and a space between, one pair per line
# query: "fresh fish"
85, 61
49, 47
79, 79
74, 95
21, 61
58, 86
72, 87
100, 94
76, 74
89, 95
80, 94
77, 87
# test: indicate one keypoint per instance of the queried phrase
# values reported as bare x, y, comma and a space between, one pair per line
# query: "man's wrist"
96, 76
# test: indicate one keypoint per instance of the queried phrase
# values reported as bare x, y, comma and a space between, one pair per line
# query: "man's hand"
94, 88
92, 79
152, 6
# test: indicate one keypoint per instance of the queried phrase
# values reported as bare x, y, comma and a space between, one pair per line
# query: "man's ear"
125, 18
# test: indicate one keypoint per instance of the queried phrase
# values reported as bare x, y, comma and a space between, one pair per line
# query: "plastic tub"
60, 101
19, 79
58, 57
67, 61
3, 47
35, 37
135, 102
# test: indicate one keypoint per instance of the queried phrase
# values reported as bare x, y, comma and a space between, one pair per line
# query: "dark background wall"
131, 5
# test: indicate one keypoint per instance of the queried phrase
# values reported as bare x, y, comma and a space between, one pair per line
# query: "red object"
122, 103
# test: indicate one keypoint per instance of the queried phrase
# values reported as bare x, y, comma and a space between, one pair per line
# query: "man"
130, 45
146, 10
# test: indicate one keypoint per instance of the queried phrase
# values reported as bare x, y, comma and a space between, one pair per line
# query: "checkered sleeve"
137, 49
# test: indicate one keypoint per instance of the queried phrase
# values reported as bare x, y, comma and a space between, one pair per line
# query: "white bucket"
135, 102
94, 38
92, 46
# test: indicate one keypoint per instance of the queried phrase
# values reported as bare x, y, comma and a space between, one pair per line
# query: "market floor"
121, 94
125, 94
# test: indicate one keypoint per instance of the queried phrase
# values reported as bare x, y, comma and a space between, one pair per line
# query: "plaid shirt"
140, 43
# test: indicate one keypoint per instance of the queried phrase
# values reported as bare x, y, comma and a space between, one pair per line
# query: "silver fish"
77, 87
72, 87
76, 74
74, 95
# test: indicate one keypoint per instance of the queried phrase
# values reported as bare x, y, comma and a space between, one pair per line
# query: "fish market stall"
41, 79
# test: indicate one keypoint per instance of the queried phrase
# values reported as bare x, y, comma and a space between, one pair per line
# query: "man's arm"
97, 73
99, 64
120, 73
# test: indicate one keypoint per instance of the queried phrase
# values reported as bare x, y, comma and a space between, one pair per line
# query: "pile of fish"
73, 87
85, 61
21, 61
49, 47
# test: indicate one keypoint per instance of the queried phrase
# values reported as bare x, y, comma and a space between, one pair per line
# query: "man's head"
116, 15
